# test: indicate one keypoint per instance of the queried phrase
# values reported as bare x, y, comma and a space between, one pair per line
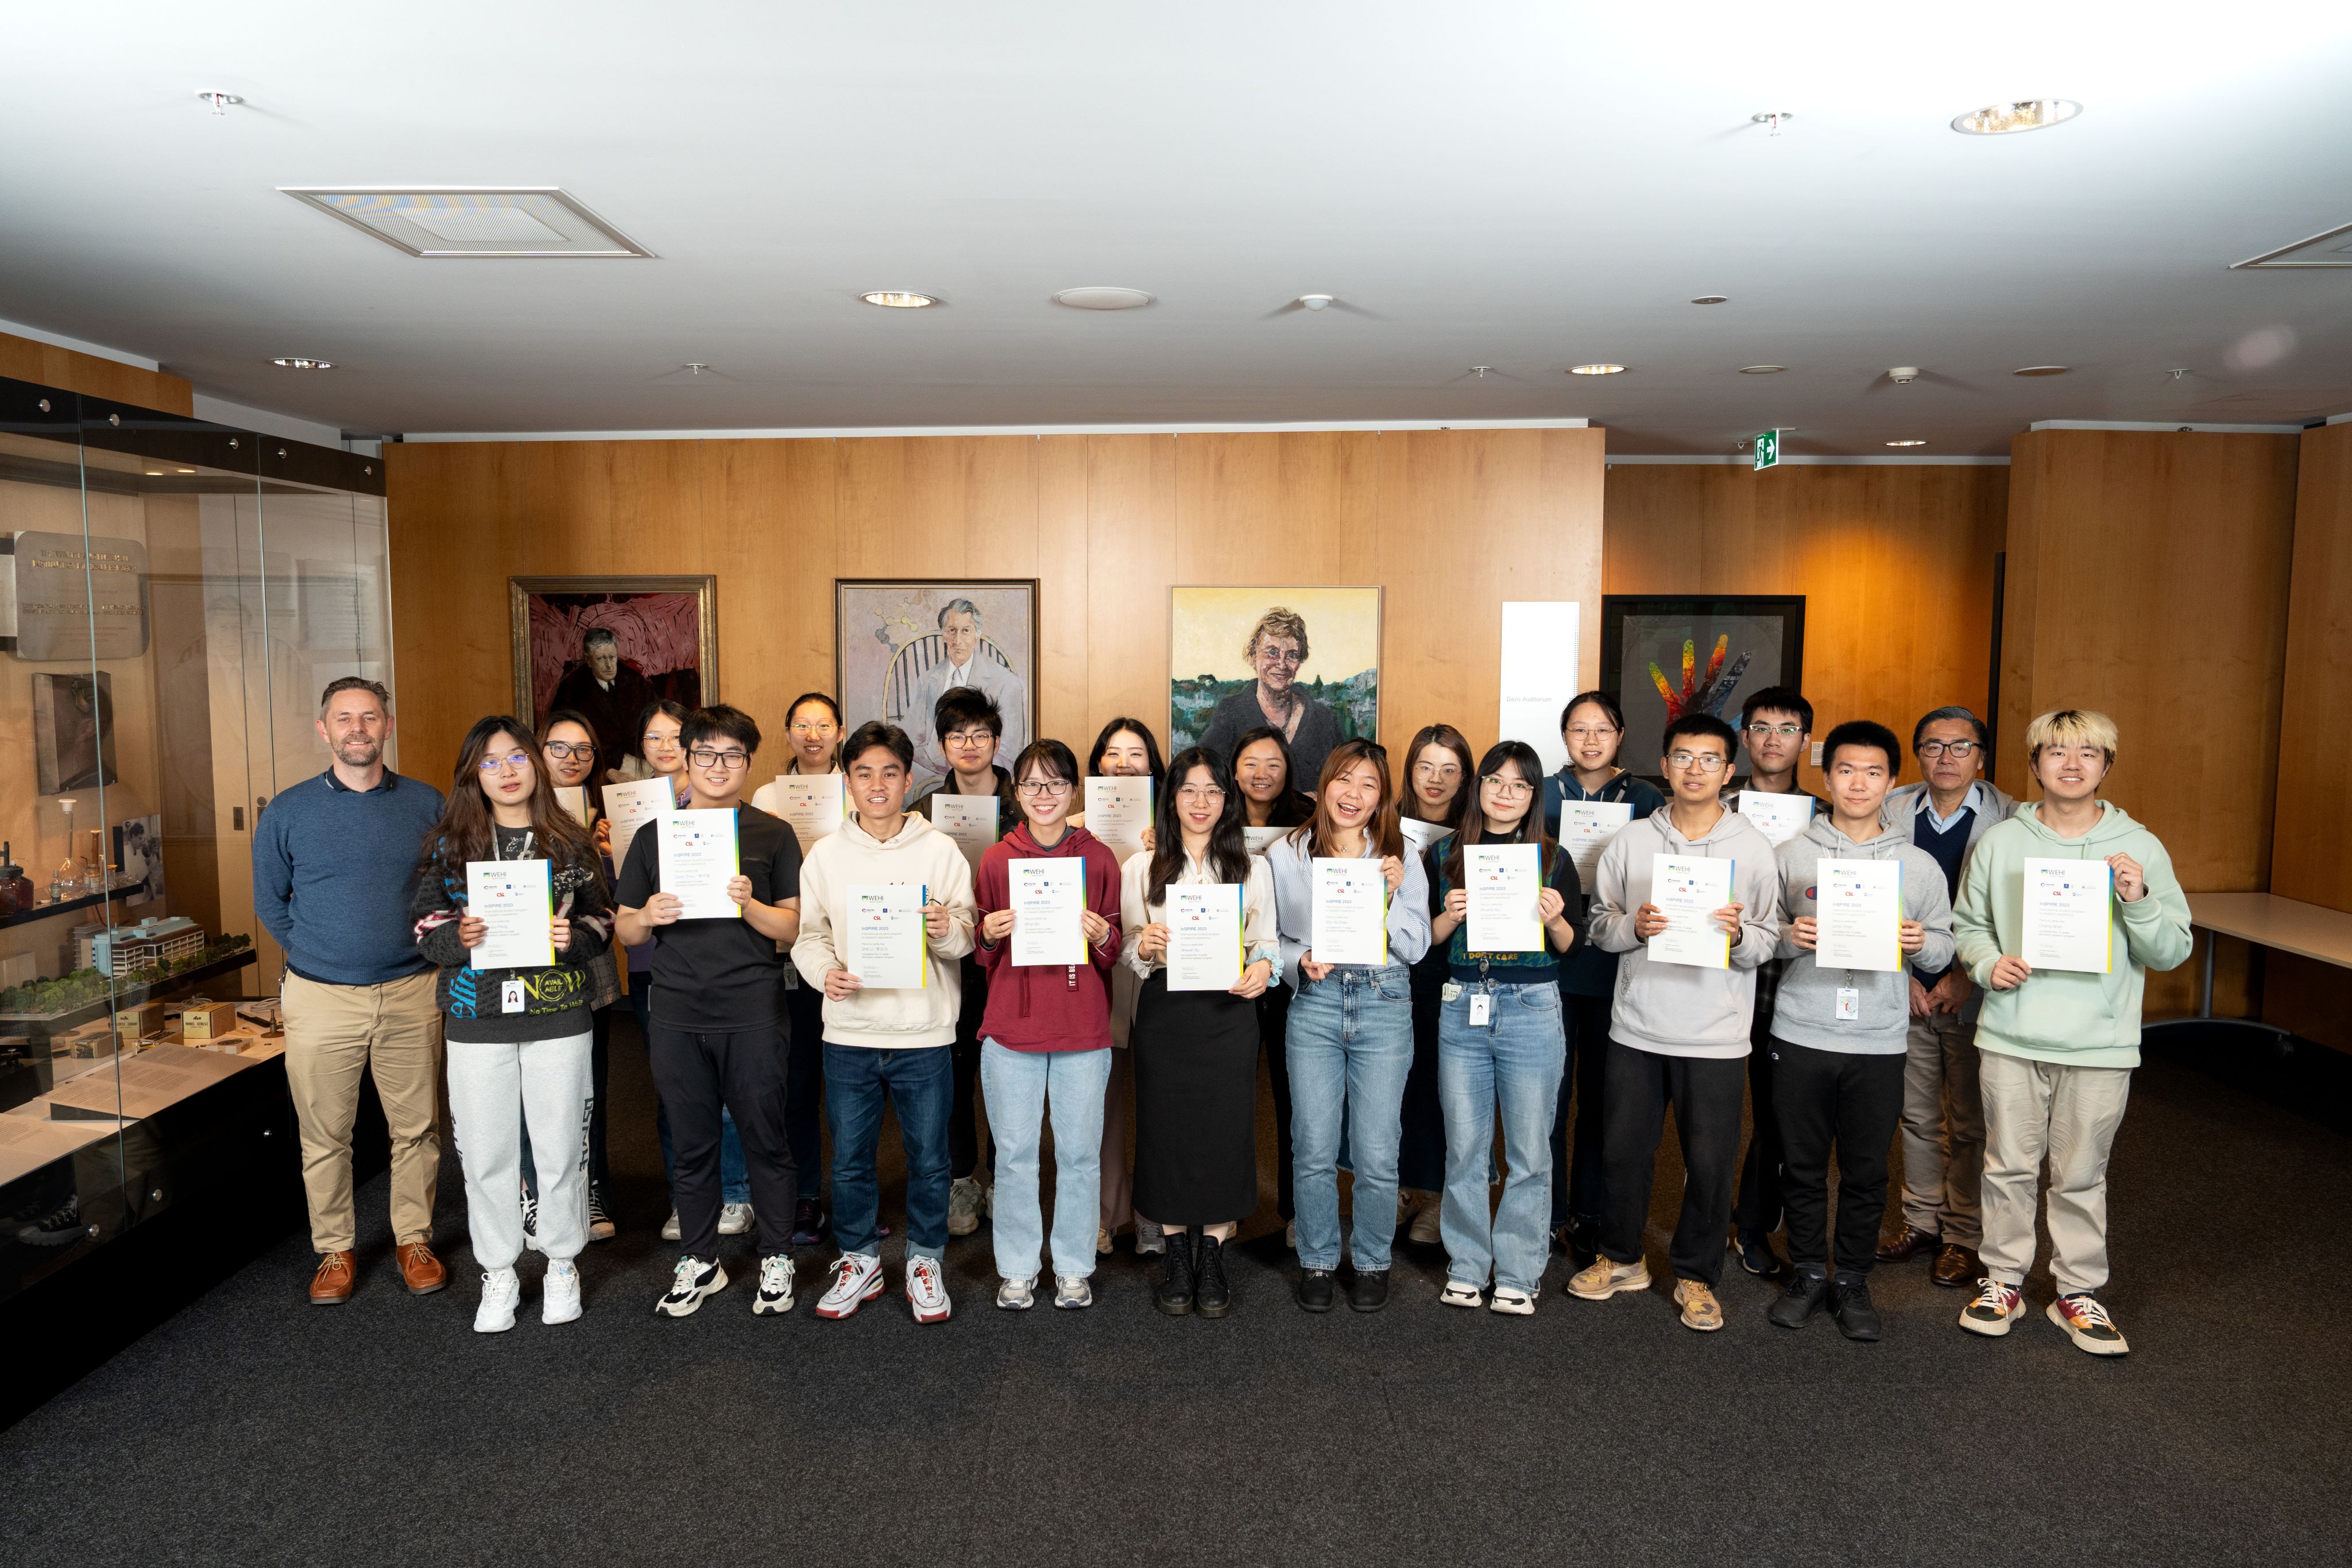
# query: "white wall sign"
1539, 640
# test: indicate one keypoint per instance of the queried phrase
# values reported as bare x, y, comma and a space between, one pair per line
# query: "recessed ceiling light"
1906, 444
1103, 298
437, 222
2024, 114
1712, 299
2042, 370
154, 473
1761, 370
1595, 370
299, 363
896, 299
183, 470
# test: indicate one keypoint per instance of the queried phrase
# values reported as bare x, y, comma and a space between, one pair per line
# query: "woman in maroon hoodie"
1045, 1037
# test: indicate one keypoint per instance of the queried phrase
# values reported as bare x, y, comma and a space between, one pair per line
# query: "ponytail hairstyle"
1229, 856
1472, 823
1319, 832
465, 831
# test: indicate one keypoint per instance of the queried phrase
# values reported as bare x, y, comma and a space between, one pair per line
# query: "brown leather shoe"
1908, 1244
1956, 1265
331, 1285
420, 1271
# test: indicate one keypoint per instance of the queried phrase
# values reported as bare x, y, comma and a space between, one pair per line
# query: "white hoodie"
1677, 1009
886, 1020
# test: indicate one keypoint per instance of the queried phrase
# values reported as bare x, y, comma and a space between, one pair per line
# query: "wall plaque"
75, 594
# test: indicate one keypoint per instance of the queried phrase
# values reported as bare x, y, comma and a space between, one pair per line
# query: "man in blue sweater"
335, 860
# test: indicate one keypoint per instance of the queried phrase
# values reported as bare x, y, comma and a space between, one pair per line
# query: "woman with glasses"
1125, 750
1436, 774
519, 1037
1046, 1036
1500, 1046
1593, 727
1196, 1051
1277, 652
1264, 773
1350, 1026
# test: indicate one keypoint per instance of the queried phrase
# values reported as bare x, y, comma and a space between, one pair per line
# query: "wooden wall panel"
24, 360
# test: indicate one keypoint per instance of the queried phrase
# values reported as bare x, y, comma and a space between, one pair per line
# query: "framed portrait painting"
1305, 661
1663, 655
605, 647
900, 643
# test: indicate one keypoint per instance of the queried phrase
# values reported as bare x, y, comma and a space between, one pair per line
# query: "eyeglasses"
655, 737
1045, 788
1590, 731
970, 739
1508, 788
1437, 769
1960, 749
565, 750
1705, 761
1202, 796
1785, 731
513, 762
703, 757
1290, 657
821, 726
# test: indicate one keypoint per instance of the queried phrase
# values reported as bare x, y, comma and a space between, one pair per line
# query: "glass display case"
173, 596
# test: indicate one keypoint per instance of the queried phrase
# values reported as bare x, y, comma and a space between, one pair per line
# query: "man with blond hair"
2057, 1045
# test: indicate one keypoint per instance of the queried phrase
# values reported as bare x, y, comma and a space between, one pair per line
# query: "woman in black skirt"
1196, 1051
1270, 803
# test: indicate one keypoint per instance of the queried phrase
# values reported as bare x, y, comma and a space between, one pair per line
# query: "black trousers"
1705, 1092
963, 1110
1581, 1192
804, 1088
1850, 1103
1759, 1209
1273, 1032
697, 1074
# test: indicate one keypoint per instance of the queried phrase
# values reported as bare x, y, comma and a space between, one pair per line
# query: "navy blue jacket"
333, 869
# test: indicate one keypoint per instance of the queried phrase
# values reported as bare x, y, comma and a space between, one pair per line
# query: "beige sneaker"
1701, 1311
1426, 1207
963, 1206
1607, 1277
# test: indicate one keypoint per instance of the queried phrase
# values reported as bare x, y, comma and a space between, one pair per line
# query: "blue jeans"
1349, 1045
920, 1085
1021, 1086
734, 1178
1515, 1060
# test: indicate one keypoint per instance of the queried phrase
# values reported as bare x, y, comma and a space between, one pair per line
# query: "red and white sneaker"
927, 1291
2087, 1325
1996, 1307
856, 1279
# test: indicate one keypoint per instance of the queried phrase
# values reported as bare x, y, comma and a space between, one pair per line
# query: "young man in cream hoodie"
895, 1042
1678, 1032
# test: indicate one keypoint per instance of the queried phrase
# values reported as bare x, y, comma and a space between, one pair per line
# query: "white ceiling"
1525, 186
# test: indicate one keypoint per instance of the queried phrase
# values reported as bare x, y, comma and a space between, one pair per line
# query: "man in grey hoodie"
1838, 1032
1678, 1031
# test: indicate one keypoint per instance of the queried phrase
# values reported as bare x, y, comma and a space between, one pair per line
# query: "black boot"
1808, 1288
1211, 1297
1369, 1291
1174, 1294
1850, 1305
1315, 1289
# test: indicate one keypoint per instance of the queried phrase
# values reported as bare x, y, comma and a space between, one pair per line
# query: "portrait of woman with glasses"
1277, 648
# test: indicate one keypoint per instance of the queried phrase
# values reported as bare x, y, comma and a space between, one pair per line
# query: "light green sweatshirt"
2076, 1019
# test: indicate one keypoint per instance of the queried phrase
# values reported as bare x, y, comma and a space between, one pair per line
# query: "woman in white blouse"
1196, 1051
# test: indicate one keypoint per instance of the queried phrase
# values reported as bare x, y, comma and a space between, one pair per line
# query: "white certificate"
1688, 890
1419, 835
1117, 810
1778, 817
813, 803
574, 798
969, 820
632, 806
2068, 920
1504, 882
1349, 925
1585, 829
1261, 840
880, 940
1046, 897
1204, 936
1858, 905
698, 859
517, 901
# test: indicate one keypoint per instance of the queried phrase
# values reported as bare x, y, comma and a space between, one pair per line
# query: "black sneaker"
1315, 1289
1808, 1290
1369, 1291
1581, 1235
693, 1280
808, 1221
1755, 1255
1850, 1305
1211, 1296
1174, 1294
599, 1222
62, 1227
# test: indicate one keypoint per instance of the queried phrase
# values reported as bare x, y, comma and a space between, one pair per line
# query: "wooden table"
2307, 930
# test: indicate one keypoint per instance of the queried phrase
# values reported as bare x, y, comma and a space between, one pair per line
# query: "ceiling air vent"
2333, 248
439, 221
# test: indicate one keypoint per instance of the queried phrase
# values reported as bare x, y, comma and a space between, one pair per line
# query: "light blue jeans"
1514, 1062
1020, 1087
1350, 1048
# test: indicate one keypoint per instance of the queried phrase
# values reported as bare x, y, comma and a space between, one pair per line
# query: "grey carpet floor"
253, 1428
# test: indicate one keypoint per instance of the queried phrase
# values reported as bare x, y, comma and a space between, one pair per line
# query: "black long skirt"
1195, 1105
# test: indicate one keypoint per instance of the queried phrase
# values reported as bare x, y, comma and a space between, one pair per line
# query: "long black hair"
1150, 750
1291, 807
1229, 856
1471, 827
467, 832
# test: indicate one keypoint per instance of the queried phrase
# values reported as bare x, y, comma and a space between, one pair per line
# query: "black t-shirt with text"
719, 975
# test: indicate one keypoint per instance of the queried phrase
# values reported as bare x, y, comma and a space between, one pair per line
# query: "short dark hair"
1777, 699
961, 706
718, 720
1599, 699
1953, 713
873, 733
1058, 761
1705, 723
1867, 733
355, 683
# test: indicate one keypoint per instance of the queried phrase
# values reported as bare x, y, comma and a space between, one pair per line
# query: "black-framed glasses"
565, 750
703, 757
1960, 749
971, 738
1043, 788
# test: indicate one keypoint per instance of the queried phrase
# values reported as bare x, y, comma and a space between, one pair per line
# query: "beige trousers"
2069, 1115
1943, 1130
334, 1034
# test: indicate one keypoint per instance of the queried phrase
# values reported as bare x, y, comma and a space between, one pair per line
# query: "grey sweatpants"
2070, 1114
493, 1090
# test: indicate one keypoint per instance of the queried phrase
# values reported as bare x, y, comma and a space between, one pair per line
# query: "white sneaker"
670, 1232
500, 1292
692, 1281
964, 1196
1072, 1291
1425, 1209
775, 1284
856, 1279
1460, 1294
927, 1291
1017, 1295
559, 1293
734, 1218
1150, 1238
1510, 1299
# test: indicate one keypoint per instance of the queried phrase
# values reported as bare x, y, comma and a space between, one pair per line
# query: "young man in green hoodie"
2057, 1047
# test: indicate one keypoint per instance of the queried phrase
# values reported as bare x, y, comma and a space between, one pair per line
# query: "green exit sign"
1767, 450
